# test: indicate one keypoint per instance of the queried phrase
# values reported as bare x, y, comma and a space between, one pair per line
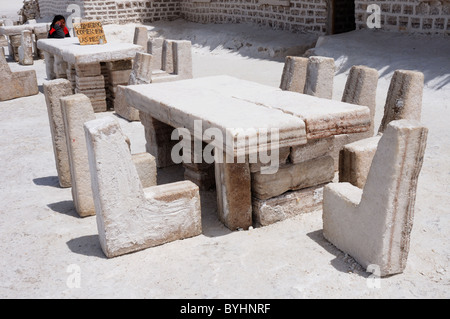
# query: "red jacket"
58, 33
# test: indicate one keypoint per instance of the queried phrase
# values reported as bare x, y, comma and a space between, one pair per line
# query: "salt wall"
294, 15
115, 11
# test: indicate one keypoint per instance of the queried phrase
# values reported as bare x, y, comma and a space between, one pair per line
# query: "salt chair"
373, 224
16, 84
130, 217
404, 101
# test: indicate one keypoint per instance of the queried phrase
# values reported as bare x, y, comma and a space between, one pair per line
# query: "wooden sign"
90, 32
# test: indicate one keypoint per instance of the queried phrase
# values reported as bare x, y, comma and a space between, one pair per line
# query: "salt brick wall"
120, 11
115, 11
300, 15
413, 16
49, 8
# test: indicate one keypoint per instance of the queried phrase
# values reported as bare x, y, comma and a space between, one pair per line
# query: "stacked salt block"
16, 84
373, 224
294, 74
71, 73
118, 73
297, 186
404, 101
26, 48
141, 74
320, 77
129, 216
90, 82
360, 89
53, 91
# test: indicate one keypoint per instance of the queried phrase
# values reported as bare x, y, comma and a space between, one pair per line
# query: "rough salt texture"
234, 198
73, 53
320, 77
26, 56
361, 89
16, 84
287, 205
141, 37
77, 109
224, 114
323, 118
141, 74
146, 168
129, 217
293, 177
53, 91
373, 225
294, 74
314, 149
355, 160
404, 100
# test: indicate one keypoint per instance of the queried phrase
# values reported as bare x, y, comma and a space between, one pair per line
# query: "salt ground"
42, 241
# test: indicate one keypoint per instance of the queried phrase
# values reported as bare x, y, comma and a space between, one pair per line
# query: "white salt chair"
373, 224
404, 101
130, 217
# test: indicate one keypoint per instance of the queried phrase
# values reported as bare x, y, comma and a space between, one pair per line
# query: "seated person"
58, 28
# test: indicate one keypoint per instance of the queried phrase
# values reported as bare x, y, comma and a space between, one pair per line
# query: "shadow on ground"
342, 262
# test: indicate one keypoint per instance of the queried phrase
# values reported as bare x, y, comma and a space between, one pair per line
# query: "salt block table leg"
159, 141
49, 65
234, 198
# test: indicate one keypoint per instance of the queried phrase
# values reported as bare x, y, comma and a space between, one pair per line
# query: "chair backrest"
404, 99
124, 189
5, 71
361, 89
390, 191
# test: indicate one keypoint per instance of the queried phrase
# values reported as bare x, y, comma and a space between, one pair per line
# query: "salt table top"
323, 117
73, 53
17, 29
179, 106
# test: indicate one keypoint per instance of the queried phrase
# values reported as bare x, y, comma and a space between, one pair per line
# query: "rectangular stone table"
94, 70
231, 107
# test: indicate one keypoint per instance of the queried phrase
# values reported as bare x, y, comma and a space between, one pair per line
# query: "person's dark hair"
56, 19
